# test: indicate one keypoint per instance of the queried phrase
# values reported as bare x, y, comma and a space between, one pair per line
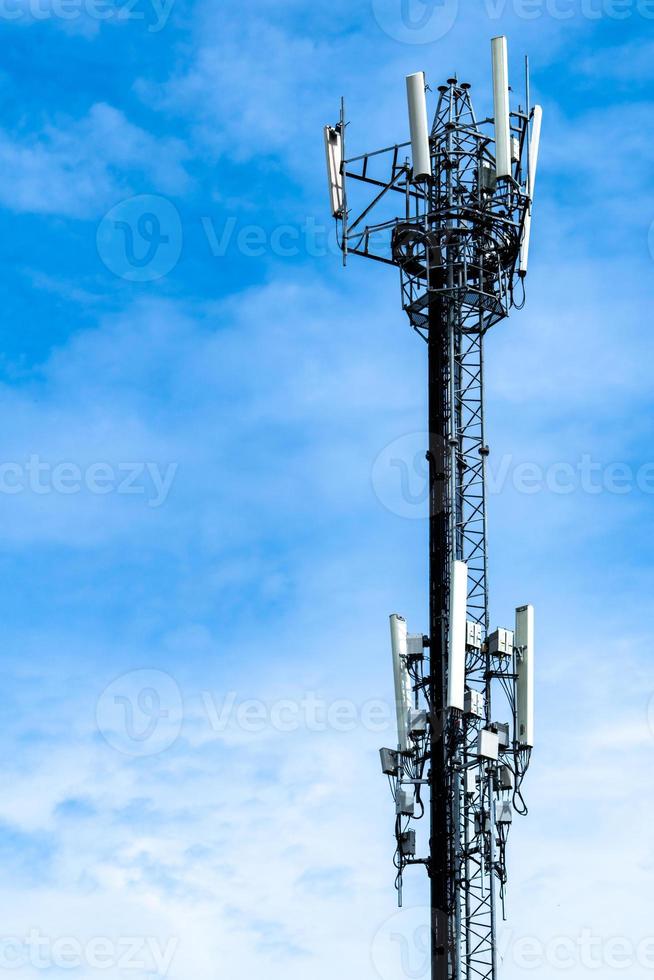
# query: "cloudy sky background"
232, 538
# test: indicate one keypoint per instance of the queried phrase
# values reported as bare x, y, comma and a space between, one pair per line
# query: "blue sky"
192, 515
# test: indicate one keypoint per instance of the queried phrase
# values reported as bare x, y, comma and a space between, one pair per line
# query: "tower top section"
451, 207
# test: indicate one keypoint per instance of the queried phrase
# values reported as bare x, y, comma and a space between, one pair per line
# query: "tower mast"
461, 242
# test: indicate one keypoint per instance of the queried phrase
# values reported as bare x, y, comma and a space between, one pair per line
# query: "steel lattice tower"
461, 244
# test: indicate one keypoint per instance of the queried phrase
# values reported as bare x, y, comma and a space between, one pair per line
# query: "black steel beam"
440, 870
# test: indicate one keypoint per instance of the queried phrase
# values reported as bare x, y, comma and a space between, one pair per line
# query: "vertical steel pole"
440, 843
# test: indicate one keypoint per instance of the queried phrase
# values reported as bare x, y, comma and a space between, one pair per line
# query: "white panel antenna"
403, 687
525, 244
456, 679
334, 154
503, 159
524, 641
420, 147
534, 147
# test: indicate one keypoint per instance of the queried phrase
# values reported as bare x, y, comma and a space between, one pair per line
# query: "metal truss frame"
456, 241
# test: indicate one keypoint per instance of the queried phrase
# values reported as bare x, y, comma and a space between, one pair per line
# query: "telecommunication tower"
452, 208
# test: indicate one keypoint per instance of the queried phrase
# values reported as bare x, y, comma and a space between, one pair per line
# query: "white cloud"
78, 168
156, 385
